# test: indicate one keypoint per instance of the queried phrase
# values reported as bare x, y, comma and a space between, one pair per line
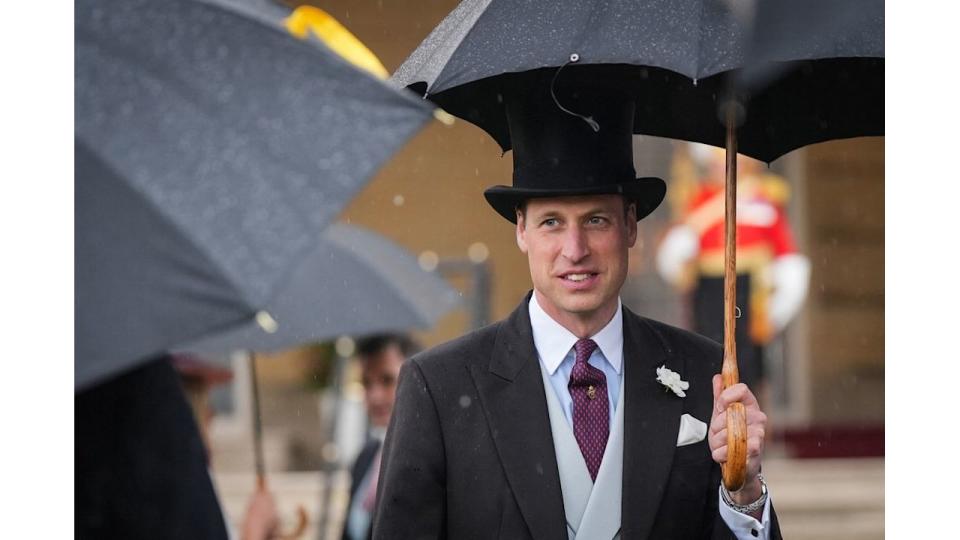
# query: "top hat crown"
585, 150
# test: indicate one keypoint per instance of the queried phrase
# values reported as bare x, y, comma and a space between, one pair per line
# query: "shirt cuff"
743, 526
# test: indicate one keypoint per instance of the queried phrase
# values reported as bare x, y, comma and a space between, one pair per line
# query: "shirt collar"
553, 341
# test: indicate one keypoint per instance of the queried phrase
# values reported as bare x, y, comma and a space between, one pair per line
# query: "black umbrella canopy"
479, 39
675, 57
212, 147
355, 282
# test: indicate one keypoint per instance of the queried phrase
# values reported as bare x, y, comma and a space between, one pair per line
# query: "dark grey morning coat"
469, 451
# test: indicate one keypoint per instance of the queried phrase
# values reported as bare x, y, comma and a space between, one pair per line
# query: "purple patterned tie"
591, 411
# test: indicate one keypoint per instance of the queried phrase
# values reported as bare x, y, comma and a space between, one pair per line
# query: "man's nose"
575, 247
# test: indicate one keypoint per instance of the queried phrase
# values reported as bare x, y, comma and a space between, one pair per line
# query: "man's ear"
521, 231
631, 217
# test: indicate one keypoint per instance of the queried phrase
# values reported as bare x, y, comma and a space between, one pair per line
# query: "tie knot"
584, 348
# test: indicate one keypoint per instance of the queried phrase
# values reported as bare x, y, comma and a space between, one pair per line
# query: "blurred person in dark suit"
141, 466
381, 357
142, 458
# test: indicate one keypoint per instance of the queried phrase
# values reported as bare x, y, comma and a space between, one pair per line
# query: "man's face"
379, 376
577, 250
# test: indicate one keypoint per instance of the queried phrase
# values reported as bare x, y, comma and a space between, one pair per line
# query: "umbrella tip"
444, 117
266, 322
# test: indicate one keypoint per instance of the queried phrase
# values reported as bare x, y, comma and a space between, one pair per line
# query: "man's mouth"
577, 278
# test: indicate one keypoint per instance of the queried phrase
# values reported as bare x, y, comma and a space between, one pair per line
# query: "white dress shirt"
554, 345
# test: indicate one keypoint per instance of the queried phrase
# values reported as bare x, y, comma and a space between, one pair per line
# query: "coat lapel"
512, 394
650, 426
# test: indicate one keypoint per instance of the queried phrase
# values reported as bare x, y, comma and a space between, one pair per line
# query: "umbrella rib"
699, 59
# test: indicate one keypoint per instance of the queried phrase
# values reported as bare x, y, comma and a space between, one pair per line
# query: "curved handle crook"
298, 531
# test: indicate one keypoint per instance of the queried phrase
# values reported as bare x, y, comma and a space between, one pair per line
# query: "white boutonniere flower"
671, 380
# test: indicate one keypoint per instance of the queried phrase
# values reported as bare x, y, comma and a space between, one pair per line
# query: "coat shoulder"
472, 348
677, 341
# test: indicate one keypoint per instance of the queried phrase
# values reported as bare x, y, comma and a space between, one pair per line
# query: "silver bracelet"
746, 508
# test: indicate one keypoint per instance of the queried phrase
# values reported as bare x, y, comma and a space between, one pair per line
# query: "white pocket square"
691, 430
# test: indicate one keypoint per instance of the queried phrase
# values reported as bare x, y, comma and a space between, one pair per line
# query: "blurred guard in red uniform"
772, 277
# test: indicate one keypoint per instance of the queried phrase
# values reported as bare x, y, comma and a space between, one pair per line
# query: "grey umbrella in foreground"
212, 148
354, 282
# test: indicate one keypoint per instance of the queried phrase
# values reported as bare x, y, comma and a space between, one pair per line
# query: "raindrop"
330, 452
398, 200
464, 401
345, 346
428, 260
478, 252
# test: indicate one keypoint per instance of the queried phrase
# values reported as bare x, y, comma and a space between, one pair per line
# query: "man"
381, 358
552, 423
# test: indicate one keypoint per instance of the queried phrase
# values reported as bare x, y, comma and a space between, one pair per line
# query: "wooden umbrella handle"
302, 519
299, 529
735, 469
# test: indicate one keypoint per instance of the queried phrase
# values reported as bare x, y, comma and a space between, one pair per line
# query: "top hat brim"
647, 193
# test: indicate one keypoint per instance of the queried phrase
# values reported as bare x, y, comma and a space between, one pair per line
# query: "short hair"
374, 344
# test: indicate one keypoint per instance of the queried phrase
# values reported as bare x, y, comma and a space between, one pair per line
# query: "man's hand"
756, 429
260, 521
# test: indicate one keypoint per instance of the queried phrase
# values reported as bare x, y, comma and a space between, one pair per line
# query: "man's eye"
552, 222
597, 220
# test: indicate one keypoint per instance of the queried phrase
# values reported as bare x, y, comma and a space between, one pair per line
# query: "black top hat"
558, 154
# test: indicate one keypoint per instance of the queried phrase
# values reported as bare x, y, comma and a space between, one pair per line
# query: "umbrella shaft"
257, 425
731, 374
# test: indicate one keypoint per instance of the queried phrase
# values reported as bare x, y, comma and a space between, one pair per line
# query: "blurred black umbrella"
212, 147
354, 282
674, 57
